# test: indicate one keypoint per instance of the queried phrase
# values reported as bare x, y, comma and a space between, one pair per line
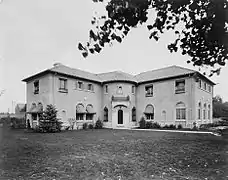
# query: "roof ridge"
164, 68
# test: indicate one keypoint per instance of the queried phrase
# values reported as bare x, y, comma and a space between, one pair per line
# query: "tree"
220, 108
49, 121
201, 27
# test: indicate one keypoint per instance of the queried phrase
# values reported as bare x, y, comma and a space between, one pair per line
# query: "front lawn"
112, 154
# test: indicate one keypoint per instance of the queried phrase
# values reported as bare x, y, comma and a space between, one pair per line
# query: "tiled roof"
116, 76
171, 71
75, 72
159, 74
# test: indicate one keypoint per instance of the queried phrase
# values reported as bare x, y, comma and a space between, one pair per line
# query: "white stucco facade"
168, 96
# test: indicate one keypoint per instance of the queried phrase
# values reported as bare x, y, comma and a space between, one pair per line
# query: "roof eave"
167, 78
36, 75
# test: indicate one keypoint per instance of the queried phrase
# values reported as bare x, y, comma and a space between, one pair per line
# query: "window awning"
149, 109
80, 109
36, 109
90, 110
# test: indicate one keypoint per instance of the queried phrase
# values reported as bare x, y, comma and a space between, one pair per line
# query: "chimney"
57, 64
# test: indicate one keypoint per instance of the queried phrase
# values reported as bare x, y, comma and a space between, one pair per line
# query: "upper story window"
106, 88
205, 86
36, 87
62, 84
119, 90
180, 86
80, 85
209, 88
90, 87
200, 83
149, 90
133, 89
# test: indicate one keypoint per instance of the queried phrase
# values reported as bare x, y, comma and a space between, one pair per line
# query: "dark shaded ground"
112, 154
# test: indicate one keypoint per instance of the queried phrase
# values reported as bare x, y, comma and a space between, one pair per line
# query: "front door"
120, 116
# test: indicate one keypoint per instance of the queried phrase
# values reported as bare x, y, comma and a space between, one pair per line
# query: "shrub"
179, 126
149, 125
166, 126
156, 125
49, 121
99, 124
84, 126
142, 123
194, 126
90, 126
172, 126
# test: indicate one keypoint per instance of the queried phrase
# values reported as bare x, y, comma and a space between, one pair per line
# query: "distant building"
171, 95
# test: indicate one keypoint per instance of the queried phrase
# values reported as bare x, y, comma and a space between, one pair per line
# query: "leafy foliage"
84, 126
90, 126
200, 26
142, 123
179, 126
99, 124
49, 121
220, 108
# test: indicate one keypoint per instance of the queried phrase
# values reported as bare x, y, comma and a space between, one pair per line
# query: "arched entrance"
120, 116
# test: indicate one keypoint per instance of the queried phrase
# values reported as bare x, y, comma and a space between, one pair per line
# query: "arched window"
209, 111
133, 113
149, 112
180, 111
199, 110
204, 110
119, 90
80, 111
105, 114
89, 112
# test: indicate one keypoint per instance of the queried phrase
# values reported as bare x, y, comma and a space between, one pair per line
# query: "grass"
112, 154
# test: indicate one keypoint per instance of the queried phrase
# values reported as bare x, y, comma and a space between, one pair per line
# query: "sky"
35, 34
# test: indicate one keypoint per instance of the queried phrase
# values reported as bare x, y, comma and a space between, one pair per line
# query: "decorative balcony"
121, 98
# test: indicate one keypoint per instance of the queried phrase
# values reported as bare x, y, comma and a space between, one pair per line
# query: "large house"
171, 95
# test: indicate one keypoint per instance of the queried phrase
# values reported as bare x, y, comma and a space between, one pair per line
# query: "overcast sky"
34, 34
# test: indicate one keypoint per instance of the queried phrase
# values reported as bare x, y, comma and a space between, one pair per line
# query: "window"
149, 116
62, 84
180, 111
133, 89
200, 83
209, 88
80, 85
34, 116
79, 116
205, 86
89, 116
199, 110
133, 113
89, 112
105, 114
180, 86
209, 111
36, 87
149, 112
204, 111
119, 90
80, 111
90, 87
106, 88
149, 90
